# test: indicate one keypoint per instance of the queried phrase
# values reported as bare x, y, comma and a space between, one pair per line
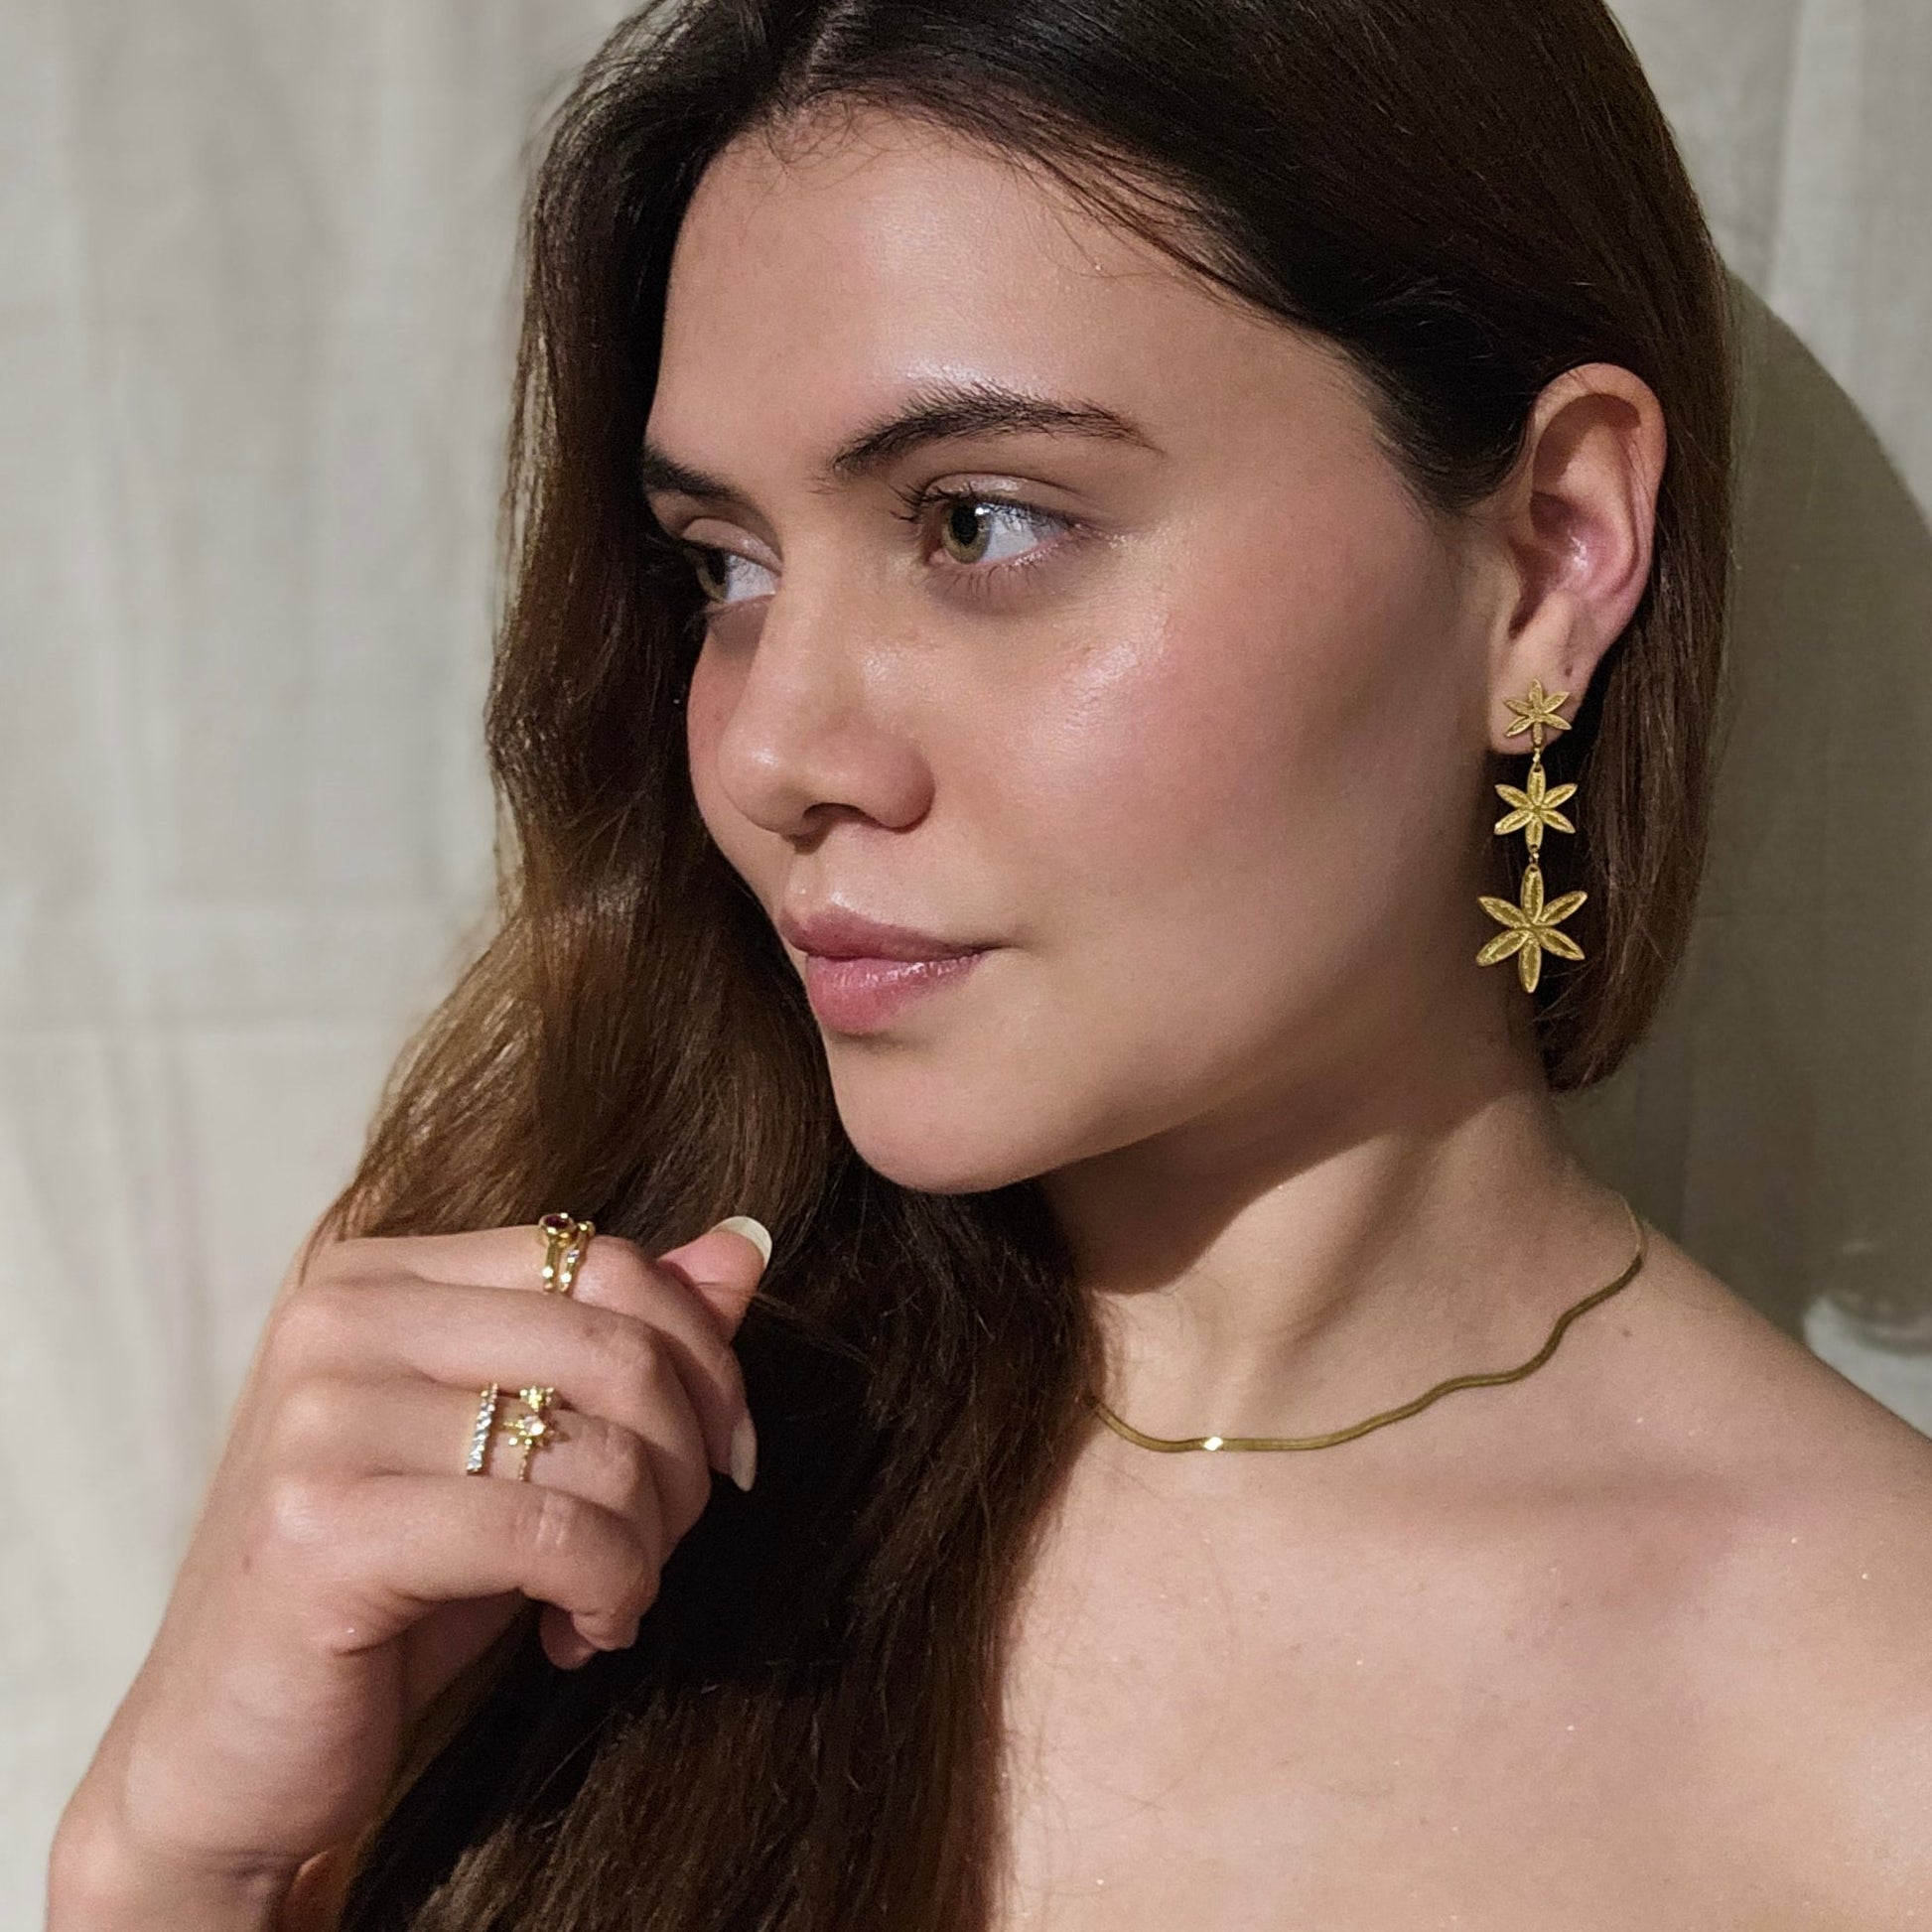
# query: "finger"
721, 1268
405, 1426
609, 1366
563, 1643
618, 1275
364, 1558
717, 1267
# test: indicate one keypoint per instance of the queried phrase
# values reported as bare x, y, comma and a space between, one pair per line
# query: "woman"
1118, 492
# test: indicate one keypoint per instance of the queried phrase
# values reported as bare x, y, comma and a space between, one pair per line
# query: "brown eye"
973, 522
963, 525
711, 579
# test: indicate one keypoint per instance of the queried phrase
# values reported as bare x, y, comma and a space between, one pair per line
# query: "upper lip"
837, 932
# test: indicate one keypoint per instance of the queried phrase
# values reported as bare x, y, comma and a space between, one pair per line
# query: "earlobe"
1578, 523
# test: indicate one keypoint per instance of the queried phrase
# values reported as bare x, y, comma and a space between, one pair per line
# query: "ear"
1573, 532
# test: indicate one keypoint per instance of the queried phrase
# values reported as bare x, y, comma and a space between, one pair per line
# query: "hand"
345, 1568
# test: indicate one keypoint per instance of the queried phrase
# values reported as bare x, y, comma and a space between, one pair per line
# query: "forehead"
812, 284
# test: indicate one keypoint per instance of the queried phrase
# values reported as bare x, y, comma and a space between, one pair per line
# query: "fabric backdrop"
254, 320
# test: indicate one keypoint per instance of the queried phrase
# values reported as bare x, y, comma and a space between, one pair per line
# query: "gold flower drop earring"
1530, 930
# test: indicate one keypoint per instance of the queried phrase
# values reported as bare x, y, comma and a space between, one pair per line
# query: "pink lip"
838, 932
854, 996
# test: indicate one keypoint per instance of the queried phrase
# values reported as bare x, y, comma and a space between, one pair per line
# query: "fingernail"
745, 1453
754, 1231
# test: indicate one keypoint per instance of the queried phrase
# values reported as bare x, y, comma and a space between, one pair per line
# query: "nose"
805, 712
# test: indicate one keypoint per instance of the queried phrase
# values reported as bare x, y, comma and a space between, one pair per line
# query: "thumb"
724, 1266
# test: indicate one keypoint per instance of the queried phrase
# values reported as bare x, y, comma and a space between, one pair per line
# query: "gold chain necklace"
1171, 1443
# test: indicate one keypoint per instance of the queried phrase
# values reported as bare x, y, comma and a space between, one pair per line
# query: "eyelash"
983, 579
978, 580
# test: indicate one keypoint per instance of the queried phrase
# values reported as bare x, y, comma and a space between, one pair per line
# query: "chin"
940, 1137
933, 1160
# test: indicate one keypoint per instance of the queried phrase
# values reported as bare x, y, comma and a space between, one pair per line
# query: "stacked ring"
565, 1237
532, 1429
480, 1434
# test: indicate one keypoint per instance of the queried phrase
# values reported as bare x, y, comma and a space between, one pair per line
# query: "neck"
1291, 1270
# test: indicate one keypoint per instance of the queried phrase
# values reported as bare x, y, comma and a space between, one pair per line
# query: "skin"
1204, 764
343, 1567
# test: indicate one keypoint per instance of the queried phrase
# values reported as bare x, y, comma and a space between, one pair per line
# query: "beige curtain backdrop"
254, 315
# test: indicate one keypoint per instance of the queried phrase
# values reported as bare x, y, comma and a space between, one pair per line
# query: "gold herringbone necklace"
1171, 1443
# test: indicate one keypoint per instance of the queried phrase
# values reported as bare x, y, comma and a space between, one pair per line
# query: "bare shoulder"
1754, 1411
1808, 1633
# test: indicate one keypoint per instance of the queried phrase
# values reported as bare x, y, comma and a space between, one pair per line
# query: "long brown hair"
1468, 197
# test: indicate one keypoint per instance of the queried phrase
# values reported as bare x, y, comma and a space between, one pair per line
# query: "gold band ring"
533, 1430
565, 1238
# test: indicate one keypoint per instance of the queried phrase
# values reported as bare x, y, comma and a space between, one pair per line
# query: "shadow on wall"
1778, 1121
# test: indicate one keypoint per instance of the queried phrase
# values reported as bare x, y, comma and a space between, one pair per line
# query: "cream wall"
254, 315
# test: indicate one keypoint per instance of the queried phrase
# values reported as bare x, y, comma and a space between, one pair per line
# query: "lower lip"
852, 996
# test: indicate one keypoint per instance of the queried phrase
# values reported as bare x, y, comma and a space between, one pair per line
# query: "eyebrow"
937, 412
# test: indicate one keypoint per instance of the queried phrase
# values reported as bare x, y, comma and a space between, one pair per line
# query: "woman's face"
1182, 717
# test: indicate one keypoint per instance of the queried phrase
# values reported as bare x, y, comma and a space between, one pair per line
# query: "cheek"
709, 697
1235, 794
1233, 738
703, 721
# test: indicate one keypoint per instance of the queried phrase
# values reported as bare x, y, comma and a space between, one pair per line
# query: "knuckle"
569, 1534
713, 1360
309, 1418
652, 1513
616, 1250
312, 1325
612, 1272
554, 1523
300, 1512
630, 1353
680, 1510
632, 1482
